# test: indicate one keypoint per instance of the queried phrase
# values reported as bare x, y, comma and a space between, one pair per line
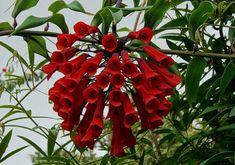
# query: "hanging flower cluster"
109, 77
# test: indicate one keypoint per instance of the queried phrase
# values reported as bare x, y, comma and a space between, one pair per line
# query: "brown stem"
137, 49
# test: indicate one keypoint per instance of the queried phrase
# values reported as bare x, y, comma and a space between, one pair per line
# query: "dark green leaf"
5, 26
60, 4
199, 17
22, 5
37, 44
59, 20
212, 88
136, 3
105, 159
10, 49
219, 156
33, 145
228, 75
52, 136
154, 16
194, 72
178, 125
4, 143
33, 21
223, 105
12, 153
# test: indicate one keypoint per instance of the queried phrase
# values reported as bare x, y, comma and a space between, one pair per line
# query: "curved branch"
172, 52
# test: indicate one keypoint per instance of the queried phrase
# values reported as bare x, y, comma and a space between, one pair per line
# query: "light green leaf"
194, 72
219, 156
4, 143
154, 16
232, 112
22, 5
228, 75
200, 16
5, 26
231, 32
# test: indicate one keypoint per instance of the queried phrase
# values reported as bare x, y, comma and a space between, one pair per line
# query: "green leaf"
37, 44
217, 106
231, 32
33, 21
10, 49
212, 88
228, 75
136, 2
154, 16
5, 26
199, 17
60, 4
105, 159
12, 153
76, 6
232, 112
4, 143
22, 5
219, 156
108, 16
194, 72
59, 20
177, 23
52, 136
33, 145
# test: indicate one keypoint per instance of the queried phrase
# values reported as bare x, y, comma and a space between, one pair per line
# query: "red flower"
65, 40
130, 115
170, 78
84, 124
91, 93
82, 30
92, 64
155, 121
158, 56
114, 65
153, 78
50, 69
145, 34
117, 136
115, 97
138, 79
67, 101
102, 80
109, 42
117, 80
129, 68
69, 53
57, 57
4, 70
73, 65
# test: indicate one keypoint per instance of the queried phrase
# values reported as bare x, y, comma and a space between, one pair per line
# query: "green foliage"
200, 126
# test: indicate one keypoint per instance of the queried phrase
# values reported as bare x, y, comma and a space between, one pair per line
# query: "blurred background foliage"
200, 127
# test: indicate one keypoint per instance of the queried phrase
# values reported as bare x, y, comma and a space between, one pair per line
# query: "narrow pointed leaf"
4, 143
22, 5
34, 145
194, 72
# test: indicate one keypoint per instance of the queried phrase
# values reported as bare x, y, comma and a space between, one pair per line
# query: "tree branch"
172, 52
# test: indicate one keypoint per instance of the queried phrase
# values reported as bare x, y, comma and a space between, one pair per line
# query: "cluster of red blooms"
109, 78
